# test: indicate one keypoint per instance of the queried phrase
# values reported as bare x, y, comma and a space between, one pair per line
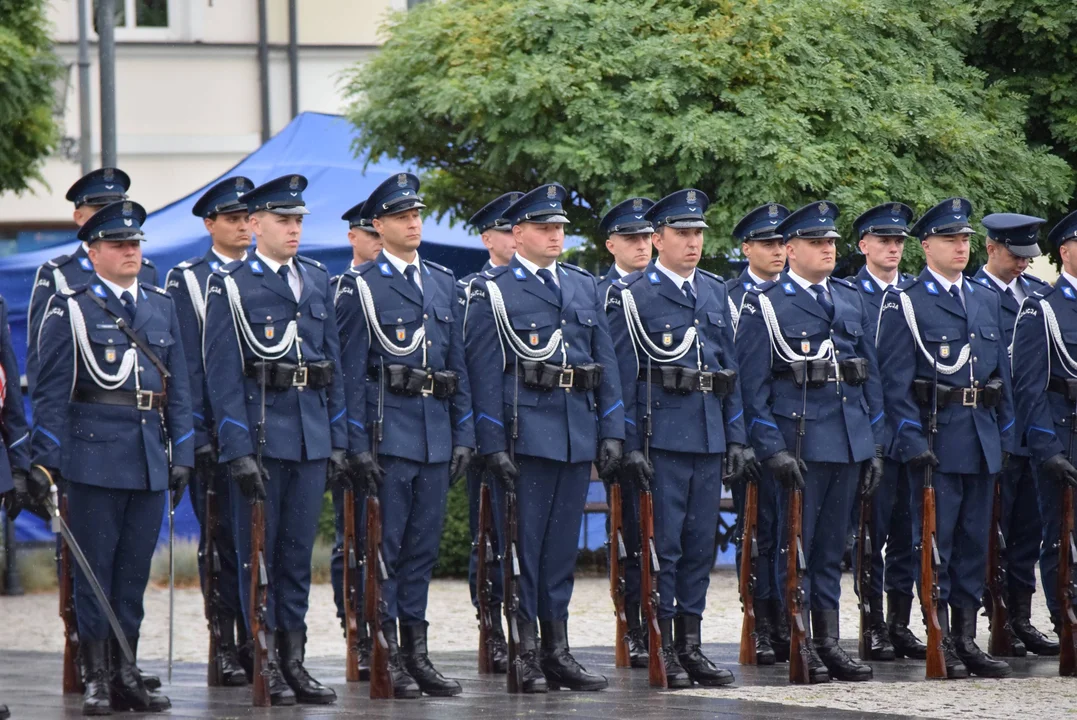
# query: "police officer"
1012, 240
90, 193
808, 327
496, 234
882, 231
628, 238
19, 489
366, 244
1046, 395
113, 383
764, 250
673, 334
225, 217
560, 391
941, 320
270, 330
404, 367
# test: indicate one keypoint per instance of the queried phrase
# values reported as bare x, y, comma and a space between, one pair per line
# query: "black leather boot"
963, 624
779, 630
531, 678
898, 610
636, 638
689, 646
881, 646
558, 665
308, 691
366, 646
955, 669
499, 648
1021, 623
128, 690
280, 693
764, 651
676, 675
417, 662
825, 639
96, 698
1018, 648
404, 685
817, 670
230, 671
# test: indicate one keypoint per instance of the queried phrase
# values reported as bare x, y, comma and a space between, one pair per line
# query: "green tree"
27, 69
857, 101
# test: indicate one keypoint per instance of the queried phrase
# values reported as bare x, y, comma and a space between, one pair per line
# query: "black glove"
786, 469
245, 473
871, 473
205, 461
18, 498
1061, 469
741, 462
609, 457
637, 469
922, 460
178, 477
461, 458
337, 474
501, 466
39, 484
366, 473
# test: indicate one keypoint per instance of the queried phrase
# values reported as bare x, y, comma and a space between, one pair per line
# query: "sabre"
59, 526
171, 581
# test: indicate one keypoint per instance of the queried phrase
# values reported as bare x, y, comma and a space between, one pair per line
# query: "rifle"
929, 549
863, 577
381, 685
351, 590
1000, 641
656, 667
1067, 583
511, 568
484, 585
212, 598
72, 682
259, 577
749, 555
617, 555
796, 564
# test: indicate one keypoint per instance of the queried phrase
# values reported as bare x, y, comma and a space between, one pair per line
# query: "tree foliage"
857, 101
27, 70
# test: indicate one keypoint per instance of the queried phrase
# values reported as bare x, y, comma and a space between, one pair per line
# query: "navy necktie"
822, 297
547, 279
128, 301
956, 292
689, 293
409, 273
1009, 291
283, 272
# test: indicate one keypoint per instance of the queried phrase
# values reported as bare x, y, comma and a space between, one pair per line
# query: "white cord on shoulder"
910, 320
777, 340
265, 352
640, 338
1051, 323
366, 298
108, 381
734, 313
60, 280
504, 327
198, 300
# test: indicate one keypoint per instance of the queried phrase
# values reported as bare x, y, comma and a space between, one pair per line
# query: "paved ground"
31, 624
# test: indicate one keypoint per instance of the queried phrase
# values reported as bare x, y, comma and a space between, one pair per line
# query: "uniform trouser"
1020, 522
962, 517
687, 498
223, 538
413, 497
631, 539
293, 503
770, 535
117, 530
891, 525
829, 490
336, 558
550, 497
1050, 496
493, 572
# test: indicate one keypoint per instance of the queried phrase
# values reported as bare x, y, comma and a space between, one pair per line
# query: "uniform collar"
756, 280
119, 290
678, 280
879, 282
399, 264
533, 268
944, 283
272, 264
805, 283
225, 259
1070, 279
1013, 285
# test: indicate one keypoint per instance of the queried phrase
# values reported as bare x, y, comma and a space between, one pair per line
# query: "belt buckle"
706, 382
428, 384
144, 399
299, 379
566, 378
968, 397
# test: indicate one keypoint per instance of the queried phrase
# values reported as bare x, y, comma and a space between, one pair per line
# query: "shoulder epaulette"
844, 282
494, 271
230, 267
434, 265
712, 276
59, 260
154, 288
577, 269
1033, 279
77, 290
147, 262
906, 283
361, 269
190, 263
764, 287
631, 277
310, 261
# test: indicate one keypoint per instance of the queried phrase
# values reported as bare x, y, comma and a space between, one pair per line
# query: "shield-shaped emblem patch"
270, 332
110, 354
401, 333
944, 350
533, 338
667, 339
805, 346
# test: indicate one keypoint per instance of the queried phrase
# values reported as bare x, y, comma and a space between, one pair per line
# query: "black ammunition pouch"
1067, 387
854, 371
989, 396
547, 376
685, 381
283, 375
412, 381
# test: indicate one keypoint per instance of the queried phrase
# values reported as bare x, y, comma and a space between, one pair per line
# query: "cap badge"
822, 208
240, 185
551, 192
895, 209
690, 197
956, 204
127, 208
637, 204
773, 210
107, 174
293, 184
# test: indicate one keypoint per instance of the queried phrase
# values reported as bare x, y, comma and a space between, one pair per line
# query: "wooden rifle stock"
511, 573
1000, 641
72, 677
259, 606
381, 685
656, 667
212, 592
929, 548
352, 610
615, 549
863, 577
749, 555
796, 566
486, 558
1067, 583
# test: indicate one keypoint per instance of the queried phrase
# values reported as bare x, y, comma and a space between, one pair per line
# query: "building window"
132, 14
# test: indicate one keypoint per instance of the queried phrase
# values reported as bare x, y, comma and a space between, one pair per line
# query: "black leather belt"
141, 399
685, 381
547, 376
283, 376
1065, 386
412, 381
853, 371
989, 396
